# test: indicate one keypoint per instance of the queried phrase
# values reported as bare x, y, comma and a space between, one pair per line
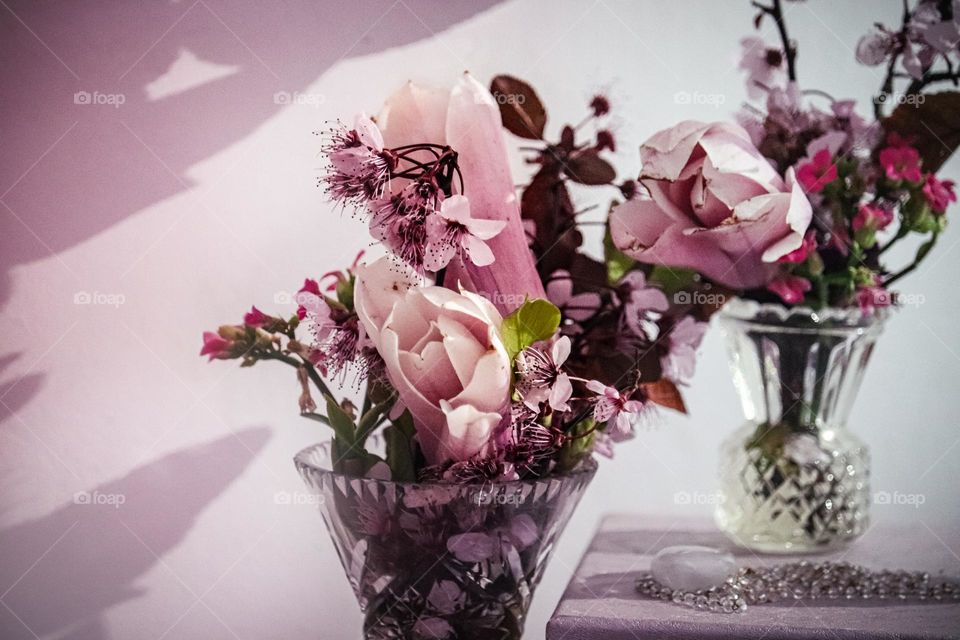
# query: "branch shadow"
62, 571
17, 392
71, 170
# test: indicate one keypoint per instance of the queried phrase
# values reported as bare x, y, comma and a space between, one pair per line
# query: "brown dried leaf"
589, 168
933, 124
520, 108
664, 393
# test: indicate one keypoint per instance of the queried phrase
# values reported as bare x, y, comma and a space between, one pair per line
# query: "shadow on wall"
15, 393
96, 124
92, 551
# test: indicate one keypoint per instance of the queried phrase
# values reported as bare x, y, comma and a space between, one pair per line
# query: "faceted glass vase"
438, 560
793, 478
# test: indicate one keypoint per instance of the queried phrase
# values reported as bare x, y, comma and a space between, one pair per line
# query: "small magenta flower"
801, 253
540, 377
215, 346
872, 218
820, 171
255, 318
790, 288
901, 163
308, 298
938, 193
873, 296
452, 231
615, 409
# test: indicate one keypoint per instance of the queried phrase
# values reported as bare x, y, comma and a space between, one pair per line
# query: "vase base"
767, 546
793, 542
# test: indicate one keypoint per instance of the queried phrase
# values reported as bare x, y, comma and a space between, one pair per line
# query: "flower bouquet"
491, 355
793, 212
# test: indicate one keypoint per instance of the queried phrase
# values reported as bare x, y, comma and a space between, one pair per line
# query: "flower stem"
922, 253
775, 11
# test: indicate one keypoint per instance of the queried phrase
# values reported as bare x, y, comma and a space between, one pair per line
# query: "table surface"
600, 602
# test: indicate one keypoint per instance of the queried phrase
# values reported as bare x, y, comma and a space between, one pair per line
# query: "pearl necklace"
805, 581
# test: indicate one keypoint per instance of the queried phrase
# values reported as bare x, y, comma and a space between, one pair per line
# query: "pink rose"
717, 206
443, 354
468, 119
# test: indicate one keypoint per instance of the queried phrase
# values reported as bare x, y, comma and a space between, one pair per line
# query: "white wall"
198, 204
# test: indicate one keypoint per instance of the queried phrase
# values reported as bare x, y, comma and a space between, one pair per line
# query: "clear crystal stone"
692, 568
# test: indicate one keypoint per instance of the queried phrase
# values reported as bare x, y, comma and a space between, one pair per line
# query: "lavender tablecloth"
600, 602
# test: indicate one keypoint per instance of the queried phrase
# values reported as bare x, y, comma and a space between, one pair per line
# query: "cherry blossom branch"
886, 89
950, 75
775, 11
300, 363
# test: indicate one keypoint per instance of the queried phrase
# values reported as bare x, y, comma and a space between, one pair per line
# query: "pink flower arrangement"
489, 345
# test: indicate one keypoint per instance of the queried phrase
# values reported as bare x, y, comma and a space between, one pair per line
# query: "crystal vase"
794, 478
436, 560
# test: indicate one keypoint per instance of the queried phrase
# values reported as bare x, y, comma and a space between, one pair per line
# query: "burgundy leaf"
589, 168
934, 124
664, 393
520, 109
567, 140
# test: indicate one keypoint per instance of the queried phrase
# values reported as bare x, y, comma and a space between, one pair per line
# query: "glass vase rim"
585, 468
803, 318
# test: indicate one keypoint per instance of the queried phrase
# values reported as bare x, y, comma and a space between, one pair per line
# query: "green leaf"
357, 465
618, 263
925, 248
345, 292
673, 279
534, 321
399, 455
578, 445
319, 417
343, 428
371, 419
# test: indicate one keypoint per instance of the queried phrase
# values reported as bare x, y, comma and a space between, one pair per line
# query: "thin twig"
775, 11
